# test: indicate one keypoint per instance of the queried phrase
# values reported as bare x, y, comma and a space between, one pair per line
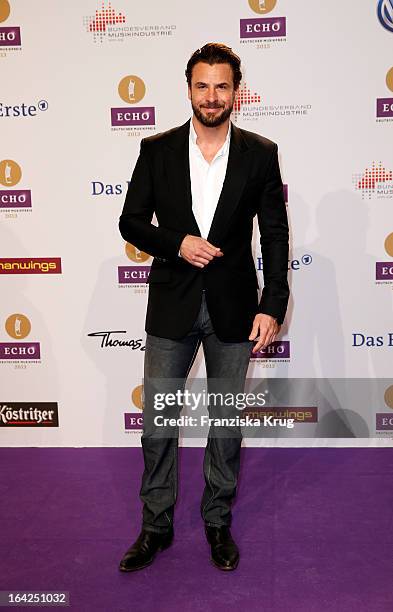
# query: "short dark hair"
215, 53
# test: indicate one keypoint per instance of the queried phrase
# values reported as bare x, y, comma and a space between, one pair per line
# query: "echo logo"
384, 420
18, 327
385, 105
133, 421
10, 175
384, 269
131, 90
9, 36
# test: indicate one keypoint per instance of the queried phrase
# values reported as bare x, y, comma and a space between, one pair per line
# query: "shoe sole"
135, 569
223, 568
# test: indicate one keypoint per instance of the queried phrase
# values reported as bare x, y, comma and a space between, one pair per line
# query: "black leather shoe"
224, 552
143, 551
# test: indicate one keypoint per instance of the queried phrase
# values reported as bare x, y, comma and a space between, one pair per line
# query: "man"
205, 181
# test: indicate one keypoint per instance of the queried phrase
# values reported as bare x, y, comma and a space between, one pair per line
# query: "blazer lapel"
177, 165
234, 183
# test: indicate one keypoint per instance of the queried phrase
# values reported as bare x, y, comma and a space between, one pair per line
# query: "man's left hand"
264, 330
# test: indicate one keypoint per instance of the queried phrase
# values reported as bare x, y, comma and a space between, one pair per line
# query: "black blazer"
161, 184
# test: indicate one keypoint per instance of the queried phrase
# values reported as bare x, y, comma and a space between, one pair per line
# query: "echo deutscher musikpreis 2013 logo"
384, 269
19, 350
384, 109
133, 421
10, 37
132, 90
12, 200
136, 275
262, 30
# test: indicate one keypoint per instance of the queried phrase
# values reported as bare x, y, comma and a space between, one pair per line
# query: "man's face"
212, 93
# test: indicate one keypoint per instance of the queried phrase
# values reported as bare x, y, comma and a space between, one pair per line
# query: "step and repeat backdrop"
81, 84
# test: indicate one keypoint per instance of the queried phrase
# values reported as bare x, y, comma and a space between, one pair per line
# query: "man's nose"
211, 94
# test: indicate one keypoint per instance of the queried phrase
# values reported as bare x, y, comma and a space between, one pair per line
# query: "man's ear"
189, 92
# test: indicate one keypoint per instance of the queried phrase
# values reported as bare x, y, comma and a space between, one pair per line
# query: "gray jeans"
171, 360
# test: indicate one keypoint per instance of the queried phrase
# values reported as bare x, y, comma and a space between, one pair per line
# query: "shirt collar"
225, 146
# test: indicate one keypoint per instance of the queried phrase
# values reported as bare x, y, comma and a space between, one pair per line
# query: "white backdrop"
311, 85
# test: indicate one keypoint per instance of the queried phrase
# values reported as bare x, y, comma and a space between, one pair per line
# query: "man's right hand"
198, 251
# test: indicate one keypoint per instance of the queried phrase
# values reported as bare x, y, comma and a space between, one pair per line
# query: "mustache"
212, 105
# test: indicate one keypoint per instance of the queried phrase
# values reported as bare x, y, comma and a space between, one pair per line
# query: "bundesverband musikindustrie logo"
375, 181
109, 23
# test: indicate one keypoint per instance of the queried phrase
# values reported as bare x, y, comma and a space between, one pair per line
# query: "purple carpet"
314, 528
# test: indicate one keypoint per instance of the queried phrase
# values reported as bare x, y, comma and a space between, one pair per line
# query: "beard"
212, 120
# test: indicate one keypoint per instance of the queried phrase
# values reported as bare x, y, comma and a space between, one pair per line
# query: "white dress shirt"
206, 180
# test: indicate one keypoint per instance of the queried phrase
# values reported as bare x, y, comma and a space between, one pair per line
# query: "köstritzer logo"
23, 414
